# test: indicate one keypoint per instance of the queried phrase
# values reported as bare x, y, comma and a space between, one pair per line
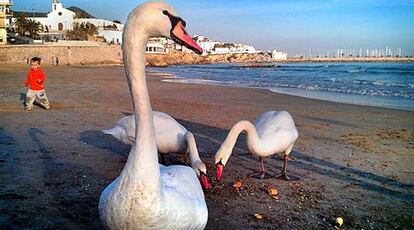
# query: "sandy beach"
354, 162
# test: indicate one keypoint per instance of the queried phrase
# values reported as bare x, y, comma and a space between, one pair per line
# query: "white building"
221, 50
157, 46
111, 36
57, 20
111, 31
241, 48
206, 44
279, 55
5, 18
216, 47
101, 23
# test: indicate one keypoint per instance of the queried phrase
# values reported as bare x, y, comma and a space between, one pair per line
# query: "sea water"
389, 85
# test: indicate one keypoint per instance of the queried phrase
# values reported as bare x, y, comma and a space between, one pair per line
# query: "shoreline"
353, 161
294, 92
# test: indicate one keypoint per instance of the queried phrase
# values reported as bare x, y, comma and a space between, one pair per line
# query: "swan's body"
273, 132
147, 195
171, 136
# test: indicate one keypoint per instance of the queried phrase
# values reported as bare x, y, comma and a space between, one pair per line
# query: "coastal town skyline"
297, 27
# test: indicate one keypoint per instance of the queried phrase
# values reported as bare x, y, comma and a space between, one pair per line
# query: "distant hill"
80, 13
29, 14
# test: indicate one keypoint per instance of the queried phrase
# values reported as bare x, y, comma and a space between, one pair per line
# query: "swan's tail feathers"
119, 133
110, 131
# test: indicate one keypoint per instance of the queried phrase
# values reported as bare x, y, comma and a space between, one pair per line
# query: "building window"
60, 13
60, 26
54, 6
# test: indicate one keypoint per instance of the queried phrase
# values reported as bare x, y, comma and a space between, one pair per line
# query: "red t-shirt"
35, 78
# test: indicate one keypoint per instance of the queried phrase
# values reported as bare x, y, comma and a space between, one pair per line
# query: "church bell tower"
56, 5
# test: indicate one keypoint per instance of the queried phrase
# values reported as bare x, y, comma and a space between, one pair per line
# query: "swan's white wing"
181, 179
277, 131
183, 196
170, 133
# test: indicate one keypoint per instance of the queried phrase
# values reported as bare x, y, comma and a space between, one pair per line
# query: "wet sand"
355, 162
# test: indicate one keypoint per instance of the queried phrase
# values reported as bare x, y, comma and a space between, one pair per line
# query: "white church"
59, 20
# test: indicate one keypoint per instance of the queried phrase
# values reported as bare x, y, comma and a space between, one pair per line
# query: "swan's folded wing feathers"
181, 179
183, 196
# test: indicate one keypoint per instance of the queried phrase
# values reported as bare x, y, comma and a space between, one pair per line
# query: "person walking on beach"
35, 80
57, 61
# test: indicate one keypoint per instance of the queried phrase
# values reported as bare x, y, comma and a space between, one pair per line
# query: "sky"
292, 26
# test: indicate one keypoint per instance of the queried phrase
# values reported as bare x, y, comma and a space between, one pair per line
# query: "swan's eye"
174, 19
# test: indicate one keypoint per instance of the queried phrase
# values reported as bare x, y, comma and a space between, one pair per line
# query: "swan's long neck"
141, 170
252, 137
192, 148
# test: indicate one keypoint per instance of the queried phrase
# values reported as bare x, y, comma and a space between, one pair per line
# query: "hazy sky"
292, 26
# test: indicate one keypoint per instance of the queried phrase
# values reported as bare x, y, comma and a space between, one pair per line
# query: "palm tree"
28, 27
82, 31
91, 29
21, 24
34, 28
77, 33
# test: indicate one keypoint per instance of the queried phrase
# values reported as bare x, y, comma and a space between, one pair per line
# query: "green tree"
28, 27
82, 31
91, 29
34, 28
21, 24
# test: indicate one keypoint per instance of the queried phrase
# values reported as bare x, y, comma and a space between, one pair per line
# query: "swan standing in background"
171, 136
147, 195
273, 132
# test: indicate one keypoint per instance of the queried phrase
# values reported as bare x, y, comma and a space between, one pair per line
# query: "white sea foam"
368, 82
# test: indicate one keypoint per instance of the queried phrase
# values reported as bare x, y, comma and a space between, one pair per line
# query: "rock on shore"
175, 57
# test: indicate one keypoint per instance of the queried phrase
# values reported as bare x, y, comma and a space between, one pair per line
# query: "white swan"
273, 132
147, 195
171, 136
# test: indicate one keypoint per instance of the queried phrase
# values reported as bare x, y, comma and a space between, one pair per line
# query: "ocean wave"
371, 82
355, 70
367, 79
365, 92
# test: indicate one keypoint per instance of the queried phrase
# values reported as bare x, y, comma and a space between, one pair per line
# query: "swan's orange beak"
204, 181
219, 171
180, 36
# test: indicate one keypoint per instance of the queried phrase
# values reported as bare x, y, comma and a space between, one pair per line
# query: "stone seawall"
98, 54
68, 55
110, 54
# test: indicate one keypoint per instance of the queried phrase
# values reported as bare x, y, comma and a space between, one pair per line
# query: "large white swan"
147, 195
171, 136
273, 132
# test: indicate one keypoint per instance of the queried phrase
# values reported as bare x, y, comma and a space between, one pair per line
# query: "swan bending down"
273, 132
147, 195
171, 136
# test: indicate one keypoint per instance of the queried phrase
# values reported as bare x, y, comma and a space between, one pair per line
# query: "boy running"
36, 78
